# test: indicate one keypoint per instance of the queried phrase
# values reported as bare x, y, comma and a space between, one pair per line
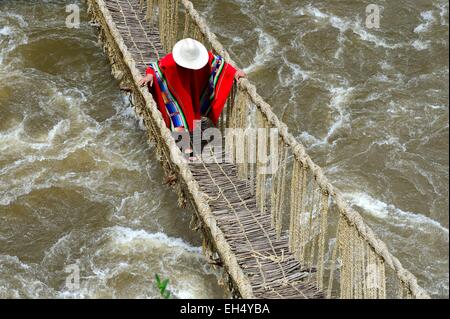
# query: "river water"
79, 185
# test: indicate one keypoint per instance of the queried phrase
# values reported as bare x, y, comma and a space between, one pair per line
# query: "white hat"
190, 54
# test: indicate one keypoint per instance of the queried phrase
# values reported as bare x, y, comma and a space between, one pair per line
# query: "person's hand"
148, 79
239, 74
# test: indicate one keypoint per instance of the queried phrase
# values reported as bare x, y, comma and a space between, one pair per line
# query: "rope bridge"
285, 235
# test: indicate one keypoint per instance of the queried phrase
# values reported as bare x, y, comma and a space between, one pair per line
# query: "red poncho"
185, 95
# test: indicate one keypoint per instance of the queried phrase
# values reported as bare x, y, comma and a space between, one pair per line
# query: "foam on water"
16, 139
340, 116
442, 6
398, 217
264, 52
393, 141
342, 24
6, 31
341, 119
11, 34
428, 18
122, 251
130, 240
420, 45
22, 280
294, 77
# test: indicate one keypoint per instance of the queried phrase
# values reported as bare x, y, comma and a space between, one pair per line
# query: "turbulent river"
79, 184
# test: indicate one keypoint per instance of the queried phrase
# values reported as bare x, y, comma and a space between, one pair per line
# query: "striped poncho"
185, 95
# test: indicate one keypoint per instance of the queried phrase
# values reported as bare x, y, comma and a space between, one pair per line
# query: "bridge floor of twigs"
272, 270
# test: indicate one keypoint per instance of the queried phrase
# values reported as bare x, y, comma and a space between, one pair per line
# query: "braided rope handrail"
352, 216
177, 158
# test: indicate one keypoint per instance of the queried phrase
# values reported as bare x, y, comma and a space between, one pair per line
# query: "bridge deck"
271, 269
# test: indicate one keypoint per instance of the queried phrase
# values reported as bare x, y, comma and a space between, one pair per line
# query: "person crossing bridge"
190, 83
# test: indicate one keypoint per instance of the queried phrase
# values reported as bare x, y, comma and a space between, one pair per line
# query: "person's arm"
148, 78
239, 74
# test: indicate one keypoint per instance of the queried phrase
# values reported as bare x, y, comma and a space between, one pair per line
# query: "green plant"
162, 287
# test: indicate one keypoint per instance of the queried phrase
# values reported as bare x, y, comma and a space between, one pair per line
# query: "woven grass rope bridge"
285, 235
